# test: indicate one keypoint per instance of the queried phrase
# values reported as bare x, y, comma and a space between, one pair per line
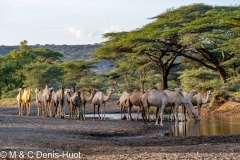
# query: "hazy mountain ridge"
70, 52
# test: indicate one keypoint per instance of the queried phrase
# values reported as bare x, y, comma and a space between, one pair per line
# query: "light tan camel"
39, 101
158, 99
179, 99
198, 100
188, 96
26, 99
122, 103
134, 98
86, 99
100, 100
19, 100
47, 100
67, 100
59, 100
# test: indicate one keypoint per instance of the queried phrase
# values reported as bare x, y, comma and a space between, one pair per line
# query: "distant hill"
70, 52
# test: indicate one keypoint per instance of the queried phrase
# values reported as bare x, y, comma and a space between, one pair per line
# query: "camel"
122, 102
198, 100
158, 99
179, 99
39, 101
100, 100
134, 98
85, 99
59, 100
75, 102
47, 100
19, 100
26, 100
68, 95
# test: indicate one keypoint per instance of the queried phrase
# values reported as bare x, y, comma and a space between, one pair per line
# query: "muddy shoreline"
109, 139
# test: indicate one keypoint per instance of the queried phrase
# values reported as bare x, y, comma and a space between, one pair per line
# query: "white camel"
158, 99
179, 99
47, 100
100, 100
59, 100
198, 100
39, 101
68, 94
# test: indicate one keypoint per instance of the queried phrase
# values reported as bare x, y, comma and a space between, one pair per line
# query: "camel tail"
118, 102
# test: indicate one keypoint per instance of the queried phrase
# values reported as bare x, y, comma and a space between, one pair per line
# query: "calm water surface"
208, 126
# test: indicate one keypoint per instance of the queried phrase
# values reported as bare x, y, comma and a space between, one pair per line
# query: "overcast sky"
79, 21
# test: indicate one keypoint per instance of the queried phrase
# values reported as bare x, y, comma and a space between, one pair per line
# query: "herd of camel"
156, 98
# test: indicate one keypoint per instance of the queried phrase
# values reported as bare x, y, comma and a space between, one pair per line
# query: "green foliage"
38, 74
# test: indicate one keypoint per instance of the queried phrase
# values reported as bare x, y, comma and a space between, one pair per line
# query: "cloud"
112, 28
81, 33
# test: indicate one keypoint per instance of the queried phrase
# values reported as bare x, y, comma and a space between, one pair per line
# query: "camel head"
111, 91
29, 91
19, 89
37, 90
209, 92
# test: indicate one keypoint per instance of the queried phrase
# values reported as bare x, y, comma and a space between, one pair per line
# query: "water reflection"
206, 126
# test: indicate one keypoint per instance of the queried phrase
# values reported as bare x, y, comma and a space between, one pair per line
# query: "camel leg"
55, 112
84, 111
175, 113
98, 111
29, 109
104, 110
129, 112
50, 109
158, 112
161, 114
19, 107
139, 109
63, 112
199, 107
94, 111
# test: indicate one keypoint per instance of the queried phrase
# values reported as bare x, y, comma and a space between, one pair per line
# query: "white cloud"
81, 33
112, 28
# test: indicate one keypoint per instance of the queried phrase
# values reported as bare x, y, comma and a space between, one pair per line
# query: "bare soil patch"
109, 139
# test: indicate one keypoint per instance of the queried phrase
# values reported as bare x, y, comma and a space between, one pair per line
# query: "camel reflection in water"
207, 126
185, 129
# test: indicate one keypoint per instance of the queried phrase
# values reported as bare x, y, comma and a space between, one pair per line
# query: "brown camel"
39, 101
47, 100
59, 100
26, 99
100, 100
122, 103
134, 98
19, 100
86, 99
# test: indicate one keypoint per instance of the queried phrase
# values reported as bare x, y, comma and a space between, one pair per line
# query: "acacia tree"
204, 38
75, 70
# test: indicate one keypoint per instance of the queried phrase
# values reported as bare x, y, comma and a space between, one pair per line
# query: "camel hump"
153, 88
136, 90
169, 89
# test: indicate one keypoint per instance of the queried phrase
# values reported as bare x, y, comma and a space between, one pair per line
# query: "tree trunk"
164, 81
222, 73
